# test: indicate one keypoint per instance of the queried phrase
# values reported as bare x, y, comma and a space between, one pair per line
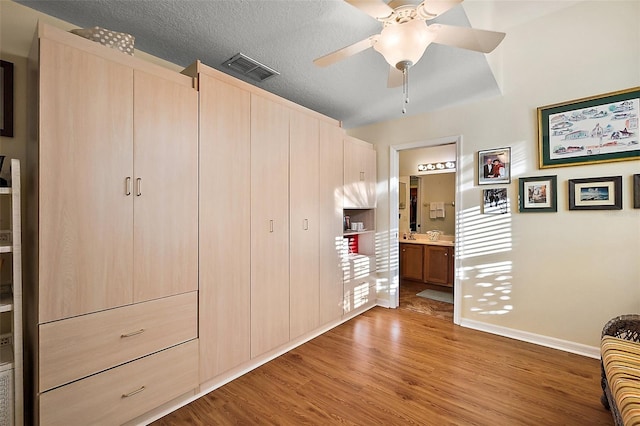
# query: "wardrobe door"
225, 232
331, 200
304, 184
165, 186
269, 225
85, 161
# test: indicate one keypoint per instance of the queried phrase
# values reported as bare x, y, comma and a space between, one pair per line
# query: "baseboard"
550, 342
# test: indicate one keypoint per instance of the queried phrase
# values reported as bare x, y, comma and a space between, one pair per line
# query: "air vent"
248, 67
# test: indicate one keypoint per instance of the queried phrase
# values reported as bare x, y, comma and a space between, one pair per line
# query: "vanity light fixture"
431, 167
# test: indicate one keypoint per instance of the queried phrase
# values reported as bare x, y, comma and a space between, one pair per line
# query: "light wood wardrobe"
112, 234
271, 177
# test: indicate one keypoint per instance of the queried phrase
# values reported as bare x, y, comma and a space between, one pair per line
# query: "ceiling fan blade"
345, 52
430, 9
395, 77
374, 8
467, 38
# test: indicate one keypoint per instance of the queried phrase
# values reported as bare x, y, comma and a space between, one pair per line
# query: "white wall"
557, 275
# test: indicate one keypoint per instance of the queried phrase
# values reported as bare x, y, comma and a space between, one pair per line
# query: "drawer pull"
127, 395
133, 333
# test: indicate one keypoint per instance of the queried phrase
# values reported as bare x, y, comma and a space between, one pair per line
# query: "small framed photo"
538, 194
596, 129
636, 191
495, 201
494, 166
604, 193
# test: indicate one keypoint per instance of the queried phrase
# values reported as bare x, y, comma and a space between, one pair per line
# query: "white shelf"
6, 357
11, 354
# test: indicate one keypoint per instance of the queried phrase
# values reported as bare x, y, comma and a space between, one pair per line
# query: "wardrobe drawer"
77, 347
123, 393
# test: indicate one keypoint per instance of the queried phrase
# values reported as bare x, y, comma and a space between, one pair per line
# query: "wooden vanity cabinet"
429, 263
411, 265
438, 265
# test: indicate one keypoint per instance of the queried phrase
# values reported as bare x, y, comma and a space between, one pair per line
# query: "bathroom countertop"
425, 241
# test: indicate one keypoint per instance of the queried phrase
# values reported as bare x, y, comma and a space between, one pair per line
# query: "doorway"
396, 216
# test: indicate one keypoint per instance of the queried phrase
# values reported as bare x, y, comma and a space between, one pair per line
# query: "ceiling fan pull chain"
405, 88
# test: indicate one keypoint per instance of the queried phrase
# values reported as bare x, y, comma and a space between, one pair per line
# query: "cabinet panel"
85, 156
437, 264
123, 393
106, 339
165, 188
269, 225
359, 174
225, 234
411, 261
304, 303
331, 160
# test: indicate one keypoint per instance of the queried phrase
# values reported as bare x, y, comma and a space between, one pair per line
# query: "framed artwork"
494, 166
604, 193
636, 191
495, 201
6, 99
597, 129
538, 194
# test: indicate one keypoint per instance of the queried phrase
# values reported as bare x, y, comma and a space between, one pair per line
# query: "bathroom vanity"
427, 261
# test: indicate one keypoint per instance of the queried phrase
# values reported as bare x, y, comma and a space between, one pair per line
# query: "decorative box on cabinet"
11, 354
119, 227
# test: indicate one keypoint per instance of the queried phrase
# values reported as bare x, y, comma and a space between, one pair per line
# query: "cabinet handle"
128, 185
133, 333
305, 225
138, 187
127, 395
271, 225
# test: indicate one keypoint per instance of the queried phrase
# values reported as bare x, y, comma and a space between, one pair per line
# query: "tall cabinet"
269, 224
113, 233
331, 199
11, 353
304, 189
271, 185
225, 224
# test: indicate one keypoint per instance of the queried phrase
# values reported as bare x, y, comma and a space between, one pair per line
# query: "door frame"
394, 171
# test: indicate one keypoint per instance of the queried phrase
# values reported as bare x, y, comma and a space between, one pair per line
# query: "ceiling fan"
405, 36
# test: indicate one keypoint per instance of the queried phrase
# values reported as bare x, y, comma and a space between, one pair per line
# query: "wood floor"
402, 367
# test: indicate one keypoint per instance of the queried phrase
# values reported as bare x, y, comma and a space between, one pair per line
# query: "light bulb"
404, 42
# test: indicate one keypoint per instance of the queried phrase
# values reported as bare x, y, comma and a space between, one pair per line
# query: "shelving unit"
11, 357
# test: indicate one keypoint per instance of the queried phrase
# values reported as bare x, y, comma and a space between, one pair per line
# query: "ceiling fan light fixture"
402, 43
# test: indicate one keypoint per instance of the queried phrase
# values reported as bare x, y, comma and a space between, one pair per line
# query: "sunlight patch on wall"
482, 234
494, 285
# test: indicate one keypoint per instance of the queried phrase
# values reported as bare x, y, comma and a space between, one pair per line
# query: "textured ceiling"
287, 35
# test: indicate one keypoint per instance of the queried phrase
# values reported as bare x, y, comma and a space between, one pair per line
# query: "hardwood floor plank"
399, 367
